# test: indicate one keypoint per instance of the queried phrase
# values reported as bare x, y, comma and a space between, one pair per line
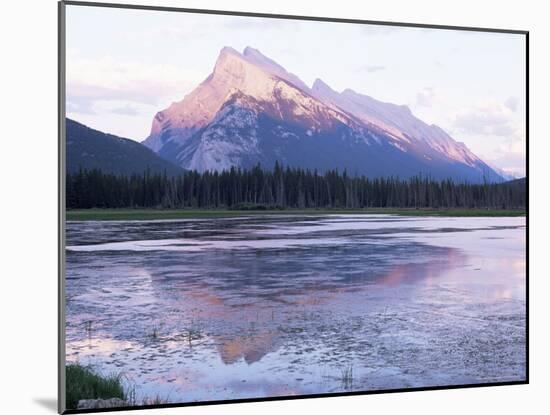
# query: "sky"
124, 65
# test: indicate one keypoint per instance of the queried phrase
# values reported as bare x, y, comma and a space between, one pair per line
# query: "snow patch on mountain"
222, 123
254, 56
324, 93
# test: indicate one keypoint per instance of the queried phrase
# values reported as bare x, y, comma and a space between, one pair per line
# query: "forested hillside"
92, 149
282, 188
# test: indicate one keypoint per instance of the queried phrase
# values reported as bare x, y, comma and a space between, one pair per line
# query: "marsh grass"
157, 400
193, 333
155, 333
88, 327
346, 377
83, 383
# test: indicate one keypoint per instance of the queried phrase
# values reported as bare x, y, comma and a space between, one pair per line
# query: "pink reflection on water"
269, 343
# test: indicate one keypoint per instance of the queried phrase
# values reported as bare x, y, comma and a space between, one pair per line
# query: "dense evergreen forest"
282, 188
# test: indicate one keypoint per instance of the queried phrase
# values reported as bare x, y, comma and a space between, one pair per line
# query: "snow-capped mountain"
251, 110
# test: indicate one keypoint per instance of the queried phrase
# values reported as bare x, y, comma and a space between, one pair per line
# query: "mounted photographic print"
260, 207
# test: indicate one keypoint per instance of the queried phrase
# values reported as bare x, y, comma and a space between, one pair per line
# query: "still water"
261, 306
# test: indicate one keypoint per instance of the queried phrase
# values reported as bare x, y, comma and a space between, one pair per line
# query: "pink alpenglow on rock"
251, 110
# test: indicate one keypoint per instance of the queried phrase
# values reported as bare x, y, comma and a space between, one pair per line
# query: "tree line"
281, 188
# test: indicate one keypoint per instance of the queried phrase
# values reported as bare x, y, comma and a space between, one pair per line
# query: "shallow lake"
263, 306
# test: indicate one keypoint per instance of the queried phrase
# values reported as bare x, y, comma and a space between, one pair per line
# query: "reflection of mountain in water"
249, 348
246, 301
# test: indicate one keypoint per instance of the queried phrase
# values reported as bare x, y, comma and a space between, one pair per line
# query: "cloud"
511, 163
104, 79
127, 109
496, 122
206, 27
512, 103
374, 68
426, 97
192, 31
487, 119
80, 105
371, 68
142, 91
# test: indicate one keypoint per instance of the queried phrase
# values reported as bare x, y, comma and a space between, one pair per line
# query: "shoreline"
159, 214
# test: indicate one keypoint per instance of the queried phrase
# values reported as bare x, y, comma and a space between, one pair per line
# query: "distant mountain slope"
522, 182
91, 149
251, 110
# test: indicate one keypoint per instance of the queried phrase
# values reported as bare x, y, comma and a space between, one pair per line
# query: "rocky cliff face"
250, 110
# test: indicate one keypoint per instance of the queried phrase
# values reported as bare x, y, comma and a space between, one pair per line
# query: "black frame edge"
61, 358
527, 217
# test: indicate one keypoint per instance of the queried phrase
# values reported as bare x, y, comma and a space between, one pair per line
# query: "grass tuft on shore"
83, 383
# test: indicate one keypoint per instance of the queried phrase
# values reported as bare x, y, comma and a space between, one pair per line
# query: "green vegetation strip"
83, 383
151, 214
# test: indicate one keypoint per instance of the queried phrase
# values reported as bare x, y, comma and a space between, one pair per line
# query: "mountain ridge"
89, 149
280, 117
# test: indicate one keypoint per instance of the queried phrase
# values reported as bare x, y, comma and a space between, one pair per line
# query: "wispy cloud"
497, 122
426, 97
371, 68
127, 109
80, 105
511, 163
104, 79
512, 103
375, 68
487, 119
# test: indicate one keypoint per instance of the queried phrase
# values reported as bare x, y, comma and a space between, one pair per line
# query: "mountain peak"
320, 85
230, 60
406, 109
227, 54
254, 56
251, 108
249, 51
325, 94
229, 50
349, 91
253, 75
